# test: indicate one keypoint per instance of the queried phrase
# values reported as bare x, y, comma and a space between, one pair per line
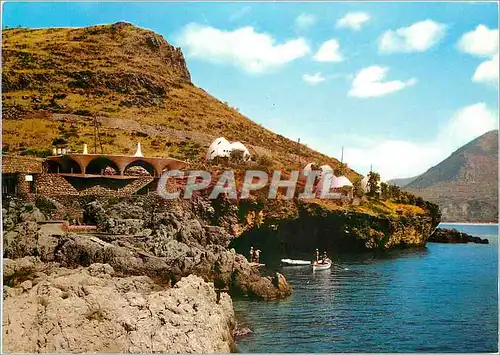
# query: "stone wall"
53, 184
18, 164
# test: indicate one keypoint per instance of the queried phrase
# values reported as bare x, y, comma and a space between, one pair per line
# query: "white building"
241, 146
221, 147
307, 169
340, 181
325, 170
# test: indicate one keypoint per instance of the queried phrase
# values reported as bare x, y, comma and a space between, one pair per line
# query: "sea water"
443, 298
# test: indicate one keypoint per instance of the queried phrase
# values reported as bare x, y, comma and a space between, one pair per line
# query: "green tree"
384, 191
373, 180
358, 190
394, 192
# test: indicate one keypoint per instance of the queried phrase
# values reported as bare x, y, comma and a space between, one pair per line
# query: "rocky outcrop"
314, 226
442, 235
90, 310
163, 240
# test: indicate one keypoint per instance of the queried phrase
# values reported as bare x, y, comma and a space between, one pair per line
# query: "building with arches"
83, 173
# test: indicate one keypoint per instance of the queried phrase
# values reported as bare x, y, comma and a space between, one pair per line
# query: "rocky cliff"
164, 240
313, 225
87, 310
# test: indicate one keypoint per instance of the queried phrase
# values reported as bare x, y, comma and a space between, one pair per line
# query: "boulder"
443, 235
87, 310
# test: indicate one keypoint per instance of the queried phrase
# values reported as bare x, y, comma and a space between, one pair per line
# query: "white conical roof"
138, 153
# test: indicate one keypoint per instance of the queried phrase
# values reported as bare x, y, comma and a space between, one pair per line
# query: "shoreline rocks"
145, 236
443, 235
92, 310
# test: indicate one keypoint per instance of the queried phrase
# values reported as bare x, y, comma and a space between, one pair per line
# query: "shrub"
45, 205
237, 155
59, 141
82, 112
264, 160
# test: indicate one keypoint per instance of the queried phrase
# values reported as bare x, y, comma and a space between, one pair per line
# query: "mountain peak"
464, 185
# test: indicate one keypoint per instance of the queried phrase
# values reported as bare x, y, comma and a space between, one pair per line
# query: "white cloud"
304, 21
487, 71
252, 51
369, 82
480, 42
466, 124
313, 79
329, 52
400, 158
418, 37
353, 20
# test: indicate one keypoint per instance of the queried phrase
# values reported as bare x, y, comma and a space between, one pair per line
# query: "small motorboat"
322, 265
292, 262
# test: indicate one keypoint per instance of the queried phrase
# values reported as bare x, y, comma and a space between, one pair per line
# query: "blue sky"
399, 85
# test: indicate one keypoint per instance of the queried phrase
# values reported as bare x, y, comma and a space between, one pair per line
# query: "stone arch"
54, 167
64, 165
143, 164
98, 165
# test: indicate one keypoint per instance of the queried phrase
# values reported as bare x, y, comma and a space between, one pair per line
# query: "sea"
442, 298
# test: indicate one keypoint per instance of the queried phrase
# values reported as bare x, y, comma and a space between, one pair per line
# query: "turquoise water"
443, 298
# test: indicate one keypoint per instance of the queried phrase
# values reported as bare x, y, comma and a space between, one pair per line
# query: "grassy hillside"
465, 185
56, 81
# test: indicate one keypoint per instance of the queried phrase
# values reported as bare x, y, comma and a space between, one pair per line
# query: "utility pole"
298, 150
97, 136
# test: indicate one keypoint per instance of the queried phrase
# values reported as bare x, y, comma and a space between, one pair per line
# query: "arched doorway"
63, 165
140, 168
102, 166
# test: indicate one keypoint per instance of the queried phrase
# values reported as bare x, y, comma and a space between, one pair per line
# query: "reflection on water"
442, 298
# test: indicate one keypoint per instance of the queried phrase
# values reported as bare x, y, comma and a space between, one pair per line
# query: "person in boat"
316, 256
257, 256
324, 258
251, 254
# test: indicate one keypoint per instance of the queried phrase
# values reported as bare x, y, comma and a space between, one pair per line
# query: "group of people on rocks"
254, 255
323, 258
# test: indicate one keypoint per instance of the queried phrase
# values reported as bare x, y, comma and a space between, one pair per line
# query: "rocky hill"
402, 182
137, 85
465, 185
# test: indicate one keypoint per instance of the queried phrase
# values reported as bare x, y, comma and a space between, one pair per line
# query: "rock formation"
148, 236
91, 310
443, 235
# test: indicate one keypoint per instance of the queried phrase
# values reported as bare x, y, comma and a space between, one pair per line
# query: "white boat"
292, 262
322, 265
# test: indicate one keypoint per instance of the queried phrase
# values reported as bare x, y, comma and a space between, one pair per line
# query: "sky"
399, 85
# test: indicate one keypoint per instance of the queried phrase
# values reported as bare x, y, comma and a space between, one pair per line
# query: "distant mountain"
465, 185
402, 182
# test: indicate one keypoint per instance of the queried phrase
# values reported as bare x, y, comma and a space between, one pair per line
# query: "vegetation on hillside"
57, 81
